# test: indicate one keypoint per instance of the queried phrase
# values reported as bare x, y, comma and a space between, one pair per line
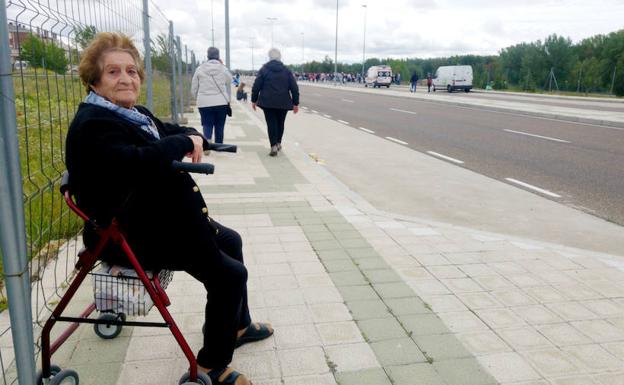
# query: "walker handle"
198, 168
222, 147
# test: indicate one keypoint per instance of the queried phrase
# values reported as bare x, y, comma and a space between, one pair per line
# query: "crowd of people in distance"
320, 77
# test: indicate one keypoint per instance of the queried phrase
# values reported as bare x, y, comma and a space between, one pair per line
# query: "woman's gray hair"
275, 54
213, 53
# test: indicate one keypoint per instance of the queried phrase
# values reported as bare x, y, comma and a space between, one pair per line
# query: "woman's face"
120, 82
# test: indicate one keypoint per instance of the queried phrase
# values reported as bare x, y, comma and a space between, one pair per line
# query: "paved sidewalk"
360, 296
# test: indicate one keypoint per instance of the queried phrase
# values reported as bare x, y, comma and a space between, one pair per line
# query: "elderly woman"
276, 92
212, 90
118, 155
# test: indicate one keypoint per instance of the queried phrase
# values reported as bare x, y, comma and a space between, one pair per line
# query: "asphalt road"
579, 165
584, 103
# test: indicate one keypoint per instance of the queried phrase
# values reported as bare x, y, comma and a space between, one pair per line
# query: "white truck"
453, 78
378, 76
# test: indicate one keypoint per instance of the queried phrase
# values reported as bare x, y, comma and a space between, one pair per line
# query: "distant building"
18, 33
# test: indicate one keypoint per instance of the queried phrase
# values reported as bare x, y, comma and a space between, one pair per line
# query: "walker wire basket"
119, 290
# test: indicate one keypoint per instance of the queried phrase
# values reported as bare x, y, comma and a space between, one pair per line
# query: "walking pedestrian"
429, 82
276, 92
413, 82
211, 87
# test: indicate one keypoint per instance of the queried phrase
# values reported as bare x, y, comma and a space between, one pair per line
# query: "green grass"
45, 105
564, 93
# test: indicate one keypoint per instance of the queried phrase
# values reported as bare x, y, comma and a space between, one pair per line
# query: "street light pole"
302, 50
212, 17
364, 42
271, 20
252, 54
227, 34
336, 47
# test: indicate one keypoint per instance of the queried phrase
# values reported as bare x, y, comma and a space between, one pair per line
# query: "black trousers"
275, 118
225, 278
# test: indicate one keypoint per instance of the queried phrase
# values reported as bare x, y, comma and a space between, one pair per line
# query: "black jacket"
275, 87
118, 170
414, 78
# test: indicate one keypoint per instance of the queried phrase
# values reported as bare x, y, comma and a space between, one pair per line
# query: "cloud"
394, 28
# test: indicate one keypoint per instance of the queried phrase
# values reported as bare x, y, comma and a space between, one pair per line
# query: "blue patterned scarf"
130, 115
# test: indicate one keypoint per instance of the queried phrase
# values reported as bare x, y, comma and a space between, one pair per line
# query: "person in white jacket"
212, 90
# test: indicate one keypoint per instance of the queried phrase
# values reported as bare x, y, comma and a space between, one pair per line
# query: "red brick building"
18, 33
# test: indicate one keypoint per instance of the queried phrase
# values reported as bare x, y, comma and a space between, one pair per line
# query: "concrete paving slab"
374, 376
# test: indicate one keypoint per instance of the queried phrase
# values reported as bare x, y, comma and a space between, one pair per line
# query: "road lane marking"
327, 116
314, 111
538, 136
343, 122
366, 130
407, 112
445, 157
525, 115
535, 188
399, 141
347, 100
304, 107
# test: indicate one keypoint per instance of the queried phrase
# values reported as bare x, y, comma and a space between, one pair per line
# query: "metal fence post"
187, 80
193, 62
12, 227
174, 101
148, 56
180, 78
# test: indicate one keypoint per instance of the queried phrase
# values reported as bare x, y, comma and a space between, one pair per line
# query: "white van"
20, 65
453, 78
378, 76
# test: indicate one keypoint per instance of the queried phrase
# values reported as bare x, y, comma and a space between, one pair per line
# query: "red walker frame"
86, 261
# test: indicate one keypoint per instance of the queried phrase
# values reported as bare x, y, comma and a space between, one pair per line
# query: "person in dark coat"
118, 156
275, 90
413, 82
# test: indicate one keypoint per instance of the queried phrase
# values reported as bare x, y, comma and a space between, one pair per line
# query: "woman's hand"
253, 105
198, 149
295, 109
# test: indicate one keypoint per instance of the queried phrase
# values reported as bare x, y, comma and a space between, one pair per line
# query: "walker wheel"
60, 377
202, 379
54, 369
108, 331
65, 377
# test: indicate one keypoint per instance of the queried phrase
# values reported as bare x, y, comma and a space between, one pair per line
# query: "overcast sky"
394, 28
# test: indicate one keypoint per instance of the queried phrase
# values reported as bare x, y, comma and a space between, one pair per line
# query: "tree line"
50, 55
593, 65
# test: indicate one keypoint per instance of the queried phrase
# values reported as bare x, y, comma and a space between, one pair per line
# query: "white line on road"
445, 157
314, 111
304, 107
407, 112
396, 140
538, 136
327, 116
348, 101
366, 130
535, 188
343, 122
527, 115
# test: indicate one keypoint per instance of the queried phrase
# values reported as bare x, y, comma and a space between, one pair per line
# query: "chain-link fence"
41, 91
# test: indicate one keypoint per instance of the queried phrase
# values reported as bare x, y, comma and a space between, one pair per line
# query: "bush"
41, 54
